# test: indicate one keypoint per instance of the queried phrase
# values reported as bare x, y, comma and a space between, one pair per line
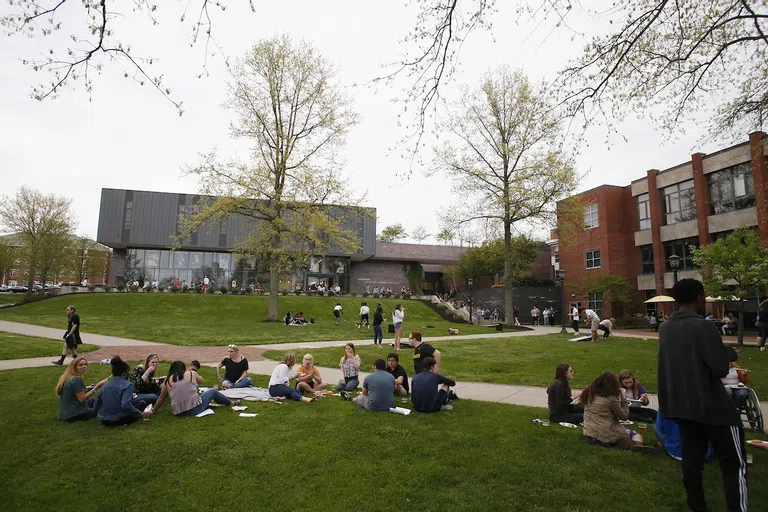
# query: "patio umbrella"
659, 298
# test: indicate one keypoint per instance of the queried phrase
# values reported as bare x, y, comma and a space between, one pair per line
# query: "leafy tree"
445, 236
42, 223
616, 290
735, 266
392, 233
287, 103
419, 234
503, 153
415, 275
488, 259
81, 246
8, 257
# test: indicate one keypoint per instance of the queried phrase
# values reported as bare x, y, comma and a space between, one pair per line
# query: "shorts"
364, 318
400, 390
311, 384
336, 313
595, 325
73, 341
398, 325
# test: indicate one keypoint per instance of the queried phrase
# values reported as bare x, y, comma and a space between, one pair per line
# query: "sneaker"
345, 395
446, 407
452, 395
57, 363
235, 402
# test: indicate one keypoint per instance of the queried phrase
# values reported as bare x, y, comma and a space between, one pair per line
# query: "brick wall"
117, 269
388, 274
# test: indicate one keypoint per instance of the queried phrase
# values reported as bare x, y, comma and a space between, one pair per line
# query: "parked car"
17, 289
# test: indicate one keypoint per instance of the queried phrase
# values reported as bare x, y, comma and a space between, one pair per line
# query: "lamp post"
674, 264
560, 280
469, 282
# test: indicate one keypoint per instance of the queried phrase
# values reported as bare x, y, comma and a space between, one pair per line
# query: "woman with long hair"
235, 369
181, 386
75, 402
350, 369
72, 336
308, 379
114, 406
378, 319
604, 406
279, 383
560, 397
398, 315
635, 393
146, 385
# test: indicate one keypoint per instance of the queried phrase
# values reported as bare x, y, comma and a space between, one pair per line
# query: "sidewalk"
56, 334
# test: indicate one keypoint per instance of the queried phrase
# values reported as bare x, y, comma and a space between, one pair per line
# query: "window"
127, 217
644, 211
731, 189
596, 302
593, 259
223, 227
681, 248
557, 254
650, 308
678, 202
590, 216
646, 256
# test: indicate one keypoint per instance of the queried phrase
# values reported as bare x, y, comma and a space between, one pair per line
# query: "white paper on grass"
239, 407
204, 413
400, 410
248, 414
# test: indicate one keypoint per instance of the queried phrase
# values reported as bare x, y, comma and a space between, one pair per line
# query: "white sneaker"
446, 407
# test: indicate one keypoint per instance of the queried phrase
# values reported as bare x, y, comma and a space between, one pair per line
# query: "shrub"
632, 322
184, 288
174, 289
331, 293
284, 292
376, 295
134, 289
91, 287
406, 296
353, 294
199, 288
297, 292
223, 290
365, 294
74, 288
320, 293
120, 287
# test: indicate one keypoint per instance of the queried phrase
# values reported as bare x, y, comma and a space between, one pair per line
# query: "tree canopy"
392, 233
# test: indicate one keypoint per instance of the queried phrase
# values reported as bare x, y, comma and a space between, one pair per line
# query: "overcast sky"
129, 136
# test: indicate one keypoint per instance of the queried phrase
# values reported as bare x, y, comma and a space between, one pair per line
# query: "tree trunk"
274, 284
509, 305
741, 323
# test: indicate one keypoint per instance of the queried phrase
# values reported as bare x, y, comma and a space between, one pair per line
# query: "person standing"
378, 332
364, 312
546, 314
575, 318
72, 336
692, 360
206, 284
398, 315
421, 351
516, 315
535, 315
337, 312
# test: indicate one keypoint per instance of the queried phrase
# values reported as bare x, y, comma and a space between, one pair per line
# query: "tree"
735, 266
392, 233
8, 257
488, 259
445, 236
286, 102
615, 290
415, 275
419, 234
41, 222
78, 257
505, 157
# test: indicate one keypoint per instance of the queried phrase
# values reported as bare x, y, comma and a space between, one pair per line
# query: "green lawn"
186, 319
324, 456
531, 360
10, 298
15, 346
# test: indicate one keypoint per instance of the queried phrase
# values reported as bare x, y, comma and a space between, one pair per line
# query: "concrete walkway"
56, 334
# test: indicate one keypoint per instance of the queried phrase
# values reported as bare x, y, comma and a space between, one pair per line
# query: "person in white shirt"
535, 315
279, 383
206, 284
364, 312
593, 320
337, 311
575, 318
607, 327
398, 315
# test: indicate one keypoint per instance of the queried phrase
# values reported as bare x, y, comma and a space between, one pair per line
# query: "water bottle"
106, 361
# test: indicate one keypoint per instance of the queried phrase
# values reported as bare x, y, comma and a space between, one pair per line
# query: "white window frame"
591, 216
587, 259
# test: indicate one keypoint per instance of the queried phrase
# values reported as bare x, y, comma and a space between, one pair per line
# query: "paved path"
56, 334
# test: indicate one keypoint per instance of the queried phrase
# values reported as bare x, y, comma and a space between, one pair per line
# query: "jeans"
283, 390
763, 333
242, 384
642, 414
147, 398
212, 395
378, 334
575, 415
348, 384
91, 413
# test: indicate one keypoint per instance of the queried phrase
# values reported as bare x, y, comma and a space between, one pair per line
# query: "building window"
557, 254
590, 216
650, 308
644, 211
593, 259
646, 256
681, 248
596, 302
731, 189
678, 202
127, 217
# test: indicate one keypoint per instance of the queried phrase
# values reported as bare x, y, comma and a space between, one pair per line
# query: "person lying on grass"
559, 397
279, 383
181, 387
604, 406
146, 385
235, 369
633, 390
115, 406
308, 379
378, 389
350, 369
430, 390
75, 402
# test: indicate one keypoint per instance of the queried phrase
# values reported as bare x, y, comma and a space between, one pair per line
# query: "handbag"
391, 329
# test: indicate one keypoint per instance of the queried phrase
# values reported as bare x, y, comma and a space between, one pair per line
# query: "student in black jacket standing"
692, 360
72, 336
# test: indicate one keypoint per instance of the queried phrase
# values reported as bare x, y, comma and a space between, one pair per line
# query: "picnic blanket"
250, 393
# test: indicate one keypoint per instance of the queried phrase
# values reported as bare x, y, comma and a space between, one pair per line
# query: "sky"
127, 136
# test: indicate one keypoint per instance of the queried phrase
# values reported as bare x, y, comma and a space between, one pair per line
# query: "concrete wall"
639, 187
679, 230
390, 274
646, 282
644, 237
674, 175
727, 158
669, 277
732, 220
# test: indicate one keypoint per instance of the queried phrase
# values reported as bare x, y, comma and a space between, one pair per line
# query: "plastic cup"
545, 423
642, 428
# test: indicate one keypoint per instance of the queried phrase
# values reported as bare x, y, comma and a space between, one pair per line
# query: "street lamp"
674, 264
560, 280
469, 282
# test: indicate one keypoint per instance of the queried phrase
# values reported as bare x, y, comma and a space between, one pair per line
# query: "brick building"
631, 231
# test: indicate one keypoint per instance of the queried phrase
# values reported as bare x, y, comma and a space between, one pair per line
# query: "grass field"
10, 298
531, 360
185, 319
15, 346
324, 456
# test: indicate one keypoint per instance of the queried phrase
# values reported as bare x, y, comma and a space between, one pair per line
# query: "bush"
331, 293
284, 292
406, 296
365, 294
248, 290
223, 290
199, 288
134, 289
74, 288
353, 294
174, 289
632, 322
320, 293
120, 287
91, 287
376, 295
297, 292
184, 288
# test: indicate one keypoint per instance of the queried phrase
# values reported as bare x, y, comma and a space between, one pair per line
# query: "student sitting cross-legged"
430, 390
181, 387
281, 378
378, 389
114, 405
399, 373
75, 402
604, 406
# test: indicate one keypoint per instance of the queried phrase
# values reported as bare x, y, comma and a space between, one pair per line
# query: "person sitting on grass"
378, 389
560, 397
350, 369
308, 379
287, 318
194, 365
235, 369
399, 374
145, 382
75, 402
279, 383
114, 405
430, 390
299, 319
604, 406
633, 390
181, 387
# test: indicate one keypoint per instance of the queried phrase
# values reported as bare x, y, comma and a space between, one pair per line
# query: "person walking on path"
516, 315
398, 315
692, 360
337, 312
72, 336
378, 332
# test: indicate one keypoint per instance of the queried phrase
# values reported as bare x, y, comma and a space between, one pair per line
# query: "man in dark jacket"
692, 360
